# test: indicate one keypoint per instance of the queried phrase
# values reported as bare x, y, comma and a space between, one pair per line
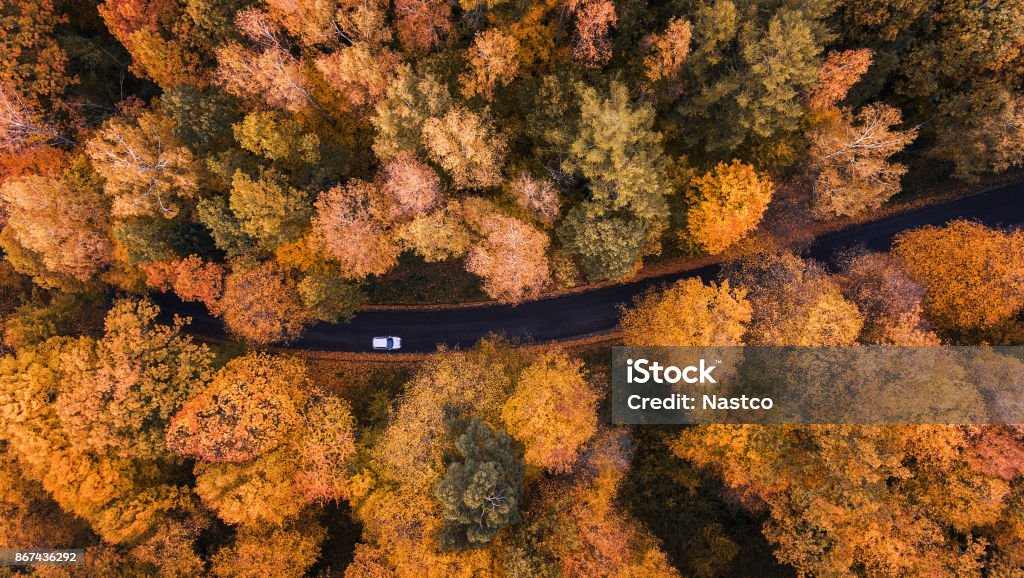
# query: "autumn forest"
285, 165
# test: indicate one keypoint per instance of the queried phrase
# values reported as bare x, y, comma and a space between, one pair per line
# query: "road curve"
595, 311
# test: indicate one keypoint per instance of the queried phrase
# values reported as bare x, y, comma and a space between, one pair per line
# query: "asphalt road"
595, 311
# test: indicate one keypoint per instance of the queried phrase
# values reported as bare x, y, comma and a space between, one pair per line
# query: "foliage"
852, 158
970, 272
466, 146
619, 151
794, 302
481, 490
552, 411
262, 304
608, 244
891, 500
668, 51
350, 228
119, 392
511, 259
146, 171
244, 412
493, 63
891, 301
726, 204
267, 209
689, 313
61, 223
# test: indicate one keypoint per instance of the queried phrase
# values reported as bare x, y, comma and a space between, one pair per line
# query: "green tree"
279, 137
330, 298
750, 64
268, 209
608, 244
202, 118
481, 492
620, 153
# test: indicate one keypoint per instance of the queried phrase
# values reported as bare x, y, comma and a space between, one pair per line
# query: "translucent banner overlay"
818, 385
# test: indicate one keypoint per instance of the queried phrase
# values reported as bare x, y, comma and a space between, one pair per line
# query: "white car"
387, 343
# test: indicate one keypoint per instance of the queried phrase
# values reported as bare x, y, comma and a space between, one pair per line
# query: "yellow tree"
689, 313
285, 551
246, 410
973, 275
552, 411
328, 442
881, 500
125, 493
437, 235
726, 204
795, 302
467, 147
147, 171
255, 493
401, 517
120, 391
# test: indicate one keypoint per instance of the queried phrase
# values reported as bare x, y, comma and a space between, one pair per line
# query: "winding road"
594, 311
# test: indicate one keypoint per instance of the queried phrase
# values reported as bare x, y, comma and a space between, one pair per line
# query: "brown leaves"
262, 305
973, 275
327, 444
840, 71
668, 51
192, 278
350, 227
493, 62
63, 226
891, 301
422, 24
245, 411
594, 20
851, 155
511, 258
412, 186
